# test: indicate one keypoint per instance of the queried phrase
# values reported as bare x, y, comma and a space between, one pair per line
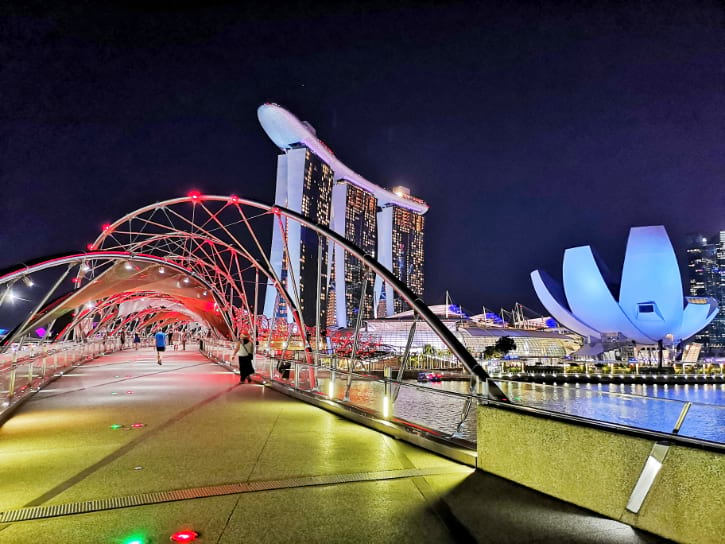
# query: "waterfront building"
650, 308
355, 217
384, 224
406, 249
706, 270
532, 345
304, 185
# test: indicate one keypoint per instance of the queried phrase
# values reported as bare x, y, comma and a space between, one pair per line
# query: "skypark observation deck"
195, 450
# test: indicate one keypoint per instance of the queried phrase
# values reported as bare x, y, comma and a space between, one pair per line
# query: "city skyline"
529, 130
706, 275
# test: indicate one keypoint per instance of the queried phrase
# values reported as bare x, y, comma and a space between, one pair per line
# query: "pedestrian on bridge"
160, 338
136, 340
245, 350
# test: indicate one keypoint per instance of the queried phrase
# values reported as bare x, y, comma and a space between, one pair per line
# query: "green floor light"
135, 539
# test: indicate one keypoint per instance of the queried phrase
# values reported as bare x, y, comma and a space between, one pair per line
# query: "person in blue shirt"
160, 345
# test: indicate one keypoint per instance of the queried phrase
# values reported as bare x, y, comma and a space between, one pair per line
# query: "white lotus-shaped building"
651, 306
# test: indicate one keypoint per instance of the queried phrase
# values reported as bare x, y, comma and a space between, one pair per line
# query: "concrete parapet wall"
597, 469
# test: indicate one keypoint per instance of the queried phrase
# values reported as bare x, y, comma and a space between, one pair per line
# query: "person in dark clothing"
245, 351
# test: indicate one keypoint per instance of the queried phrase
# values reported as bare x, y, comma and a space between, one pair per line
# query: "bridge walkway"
122, 450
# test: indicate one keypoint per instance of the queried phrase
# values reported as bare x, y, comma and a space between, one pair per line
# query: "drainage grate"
84, 507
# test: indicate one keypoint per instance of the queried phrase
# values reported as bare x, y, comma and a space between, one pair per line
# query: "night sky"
527, 129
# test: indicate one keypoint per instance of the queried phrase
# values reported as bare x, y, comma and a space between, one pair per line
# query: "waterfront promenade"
122, 450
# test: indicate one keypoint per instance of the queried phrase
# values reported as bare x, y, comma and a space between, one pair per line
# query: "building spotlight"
27, 281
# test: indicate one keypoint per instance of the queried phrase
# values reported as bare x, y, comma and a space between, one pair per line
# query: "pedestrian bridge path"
122, 450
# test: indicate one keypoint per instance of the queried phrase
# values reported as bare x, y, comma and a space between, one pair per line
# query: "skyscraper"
706, 268
382, 223
304, 184
400, 248
355, 217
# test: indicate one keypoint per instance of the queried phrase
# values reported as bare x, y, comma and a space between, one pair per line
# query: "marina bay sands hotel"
386, 224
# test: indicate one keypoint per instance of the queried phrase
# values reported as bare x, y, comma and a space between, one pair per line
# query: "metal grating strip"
84, 507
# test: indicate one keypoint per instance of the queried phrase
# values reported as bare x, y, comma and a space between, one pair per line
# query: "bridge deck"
240, 462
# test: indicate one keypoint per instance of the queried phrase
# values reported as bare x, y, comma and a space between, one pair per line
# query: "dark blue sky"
528, 128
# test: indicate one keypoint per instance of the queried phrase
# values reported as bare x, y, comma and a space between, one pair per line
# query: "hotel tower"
387, 225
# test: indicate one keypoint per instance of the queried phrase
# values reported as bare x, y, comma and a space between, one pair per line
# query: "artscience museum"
644, 304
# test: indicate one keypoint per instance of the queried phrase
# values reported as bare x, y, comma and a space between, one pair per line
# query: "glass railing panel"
5, 382
435, 410
705, 421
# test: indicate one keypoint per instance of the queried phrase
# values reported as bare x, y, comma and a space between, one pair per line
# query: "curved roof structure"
287, 132
651, 306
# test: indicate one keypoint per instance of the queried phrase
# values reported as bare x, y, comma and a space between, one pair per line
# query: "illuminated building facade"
407, 248
650, 309
387, 225
355, 218
706, 268
304, 184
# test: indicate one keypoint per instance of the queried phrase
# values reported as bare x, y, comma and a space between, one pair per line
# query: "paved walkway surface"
196, 450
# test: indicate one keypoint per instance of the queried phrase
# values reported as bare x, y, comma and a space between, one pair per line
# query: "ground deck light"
135, 539
116, 426
184, 536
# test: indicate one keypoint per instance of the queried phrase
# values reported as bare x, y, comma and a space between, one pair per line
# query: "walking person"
183, 341
122, 338
160, 338
136, 340
245, 350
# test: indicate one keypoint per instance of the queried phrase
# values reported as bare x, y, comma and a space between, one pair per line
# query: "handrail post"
11, 384
681, 419
387, 398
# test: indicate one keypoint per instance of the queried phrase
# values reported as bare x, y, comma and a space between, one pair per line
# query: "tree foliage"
502, 346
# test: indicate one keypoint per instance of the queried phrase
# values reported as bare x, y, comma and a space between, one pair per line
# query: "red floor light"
138, 425
184, 536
